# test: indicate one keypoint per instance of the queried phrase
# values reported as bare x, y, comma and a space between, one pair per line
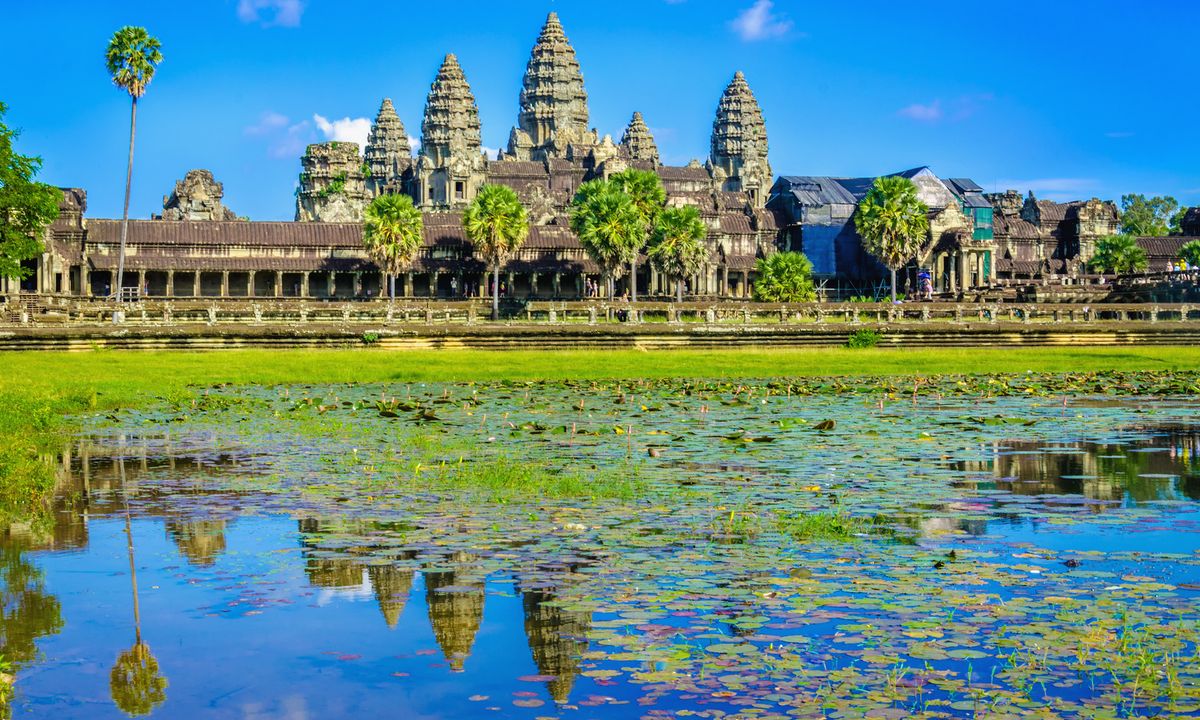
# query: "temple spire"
554, 111
638, 142
388, 153
451, 125
739, 142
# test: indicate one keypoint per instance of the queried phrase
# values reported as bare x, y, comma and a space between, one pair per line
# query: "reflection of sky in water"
263, 616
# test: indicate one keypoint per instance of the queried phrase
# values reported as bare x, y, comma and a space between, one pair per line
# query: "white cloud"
347, 129
284, 138
958, 109
414, 143
930, 112
271, 13
757, 22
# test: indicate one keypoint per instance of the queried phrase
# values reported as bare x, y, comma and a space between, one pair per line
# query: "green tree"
26, 206
784, 277
893, 223
646, 191
131, 59
677, 246
1190, 253
392, 234
1153, 217
1119, 254
497, 224
1176, 224
609, 227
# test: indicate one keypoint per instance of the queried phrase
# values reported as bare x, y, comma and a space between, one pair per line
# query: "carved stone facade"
197, 197
553, 121
332, 184
1042, 238
739, 142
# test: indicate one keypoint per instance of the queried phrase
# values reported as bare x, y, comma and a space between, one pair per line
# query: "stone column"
141, 276
408, 284
331, 284
85, 280
225, 283
278, 283
508, 280
433, 283
533, 284
557, 285
962, 270
358, 284
196, 284
304, 285
170, 283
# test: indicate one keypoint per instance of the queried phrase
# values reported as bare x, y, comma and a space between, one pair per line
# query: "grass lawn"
38, 389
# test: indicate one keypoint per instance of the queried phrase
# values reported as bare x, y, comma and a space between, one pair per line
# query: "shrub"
1119, 254
1190, 253
860, 339
784, 277
370, 338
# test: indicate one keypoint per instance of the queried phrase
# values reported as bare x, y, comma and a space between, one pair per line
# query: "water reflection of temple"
1163, 466
557, 640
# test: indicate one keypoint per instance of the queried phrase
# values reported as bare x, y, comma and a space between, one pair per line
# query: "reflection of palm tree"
557, 639
455, 612
135, 683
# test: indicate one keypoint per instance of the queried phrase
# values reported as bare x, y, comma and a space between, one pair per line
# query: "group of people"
1181, 266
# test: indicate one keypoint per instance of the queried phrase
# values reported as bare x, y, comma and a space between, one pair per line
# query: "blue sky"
1071, 98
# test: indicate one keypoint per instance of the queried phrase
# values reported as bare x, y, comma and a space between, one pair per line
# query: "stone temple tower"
739, 144
554, 111
638, 142
451, 166
388, 154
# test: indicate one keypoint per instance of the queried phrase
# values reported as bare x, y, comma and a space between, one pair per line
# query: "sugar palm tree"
131, 59
645, 188
609, 227
497, 224
677, 246
893, 223
392, 234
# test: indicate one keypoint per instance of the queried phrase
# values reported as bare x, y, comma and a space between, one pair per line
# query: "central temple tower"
739, 144
554, 113
451, 165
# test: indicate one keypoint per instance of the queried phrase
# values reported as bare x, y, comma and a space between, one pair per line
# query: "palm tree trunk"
392, 286
633, 280
137, 611
612, 288
496, 292
679, 288
893, 285
120, 285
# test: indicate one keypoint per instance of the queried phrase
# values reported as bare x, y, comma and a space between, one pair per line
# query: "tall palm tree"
609, 226
497, 224
392, 234
131, 59
645, 188
1119, 254
893, 223
677, 246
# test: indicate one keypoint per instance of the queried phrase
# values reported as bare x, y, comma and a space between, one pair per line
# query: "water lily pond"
618, 550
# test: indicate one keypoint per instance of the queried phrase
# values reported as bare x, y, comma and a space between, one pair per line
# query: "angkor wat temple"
198, 247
